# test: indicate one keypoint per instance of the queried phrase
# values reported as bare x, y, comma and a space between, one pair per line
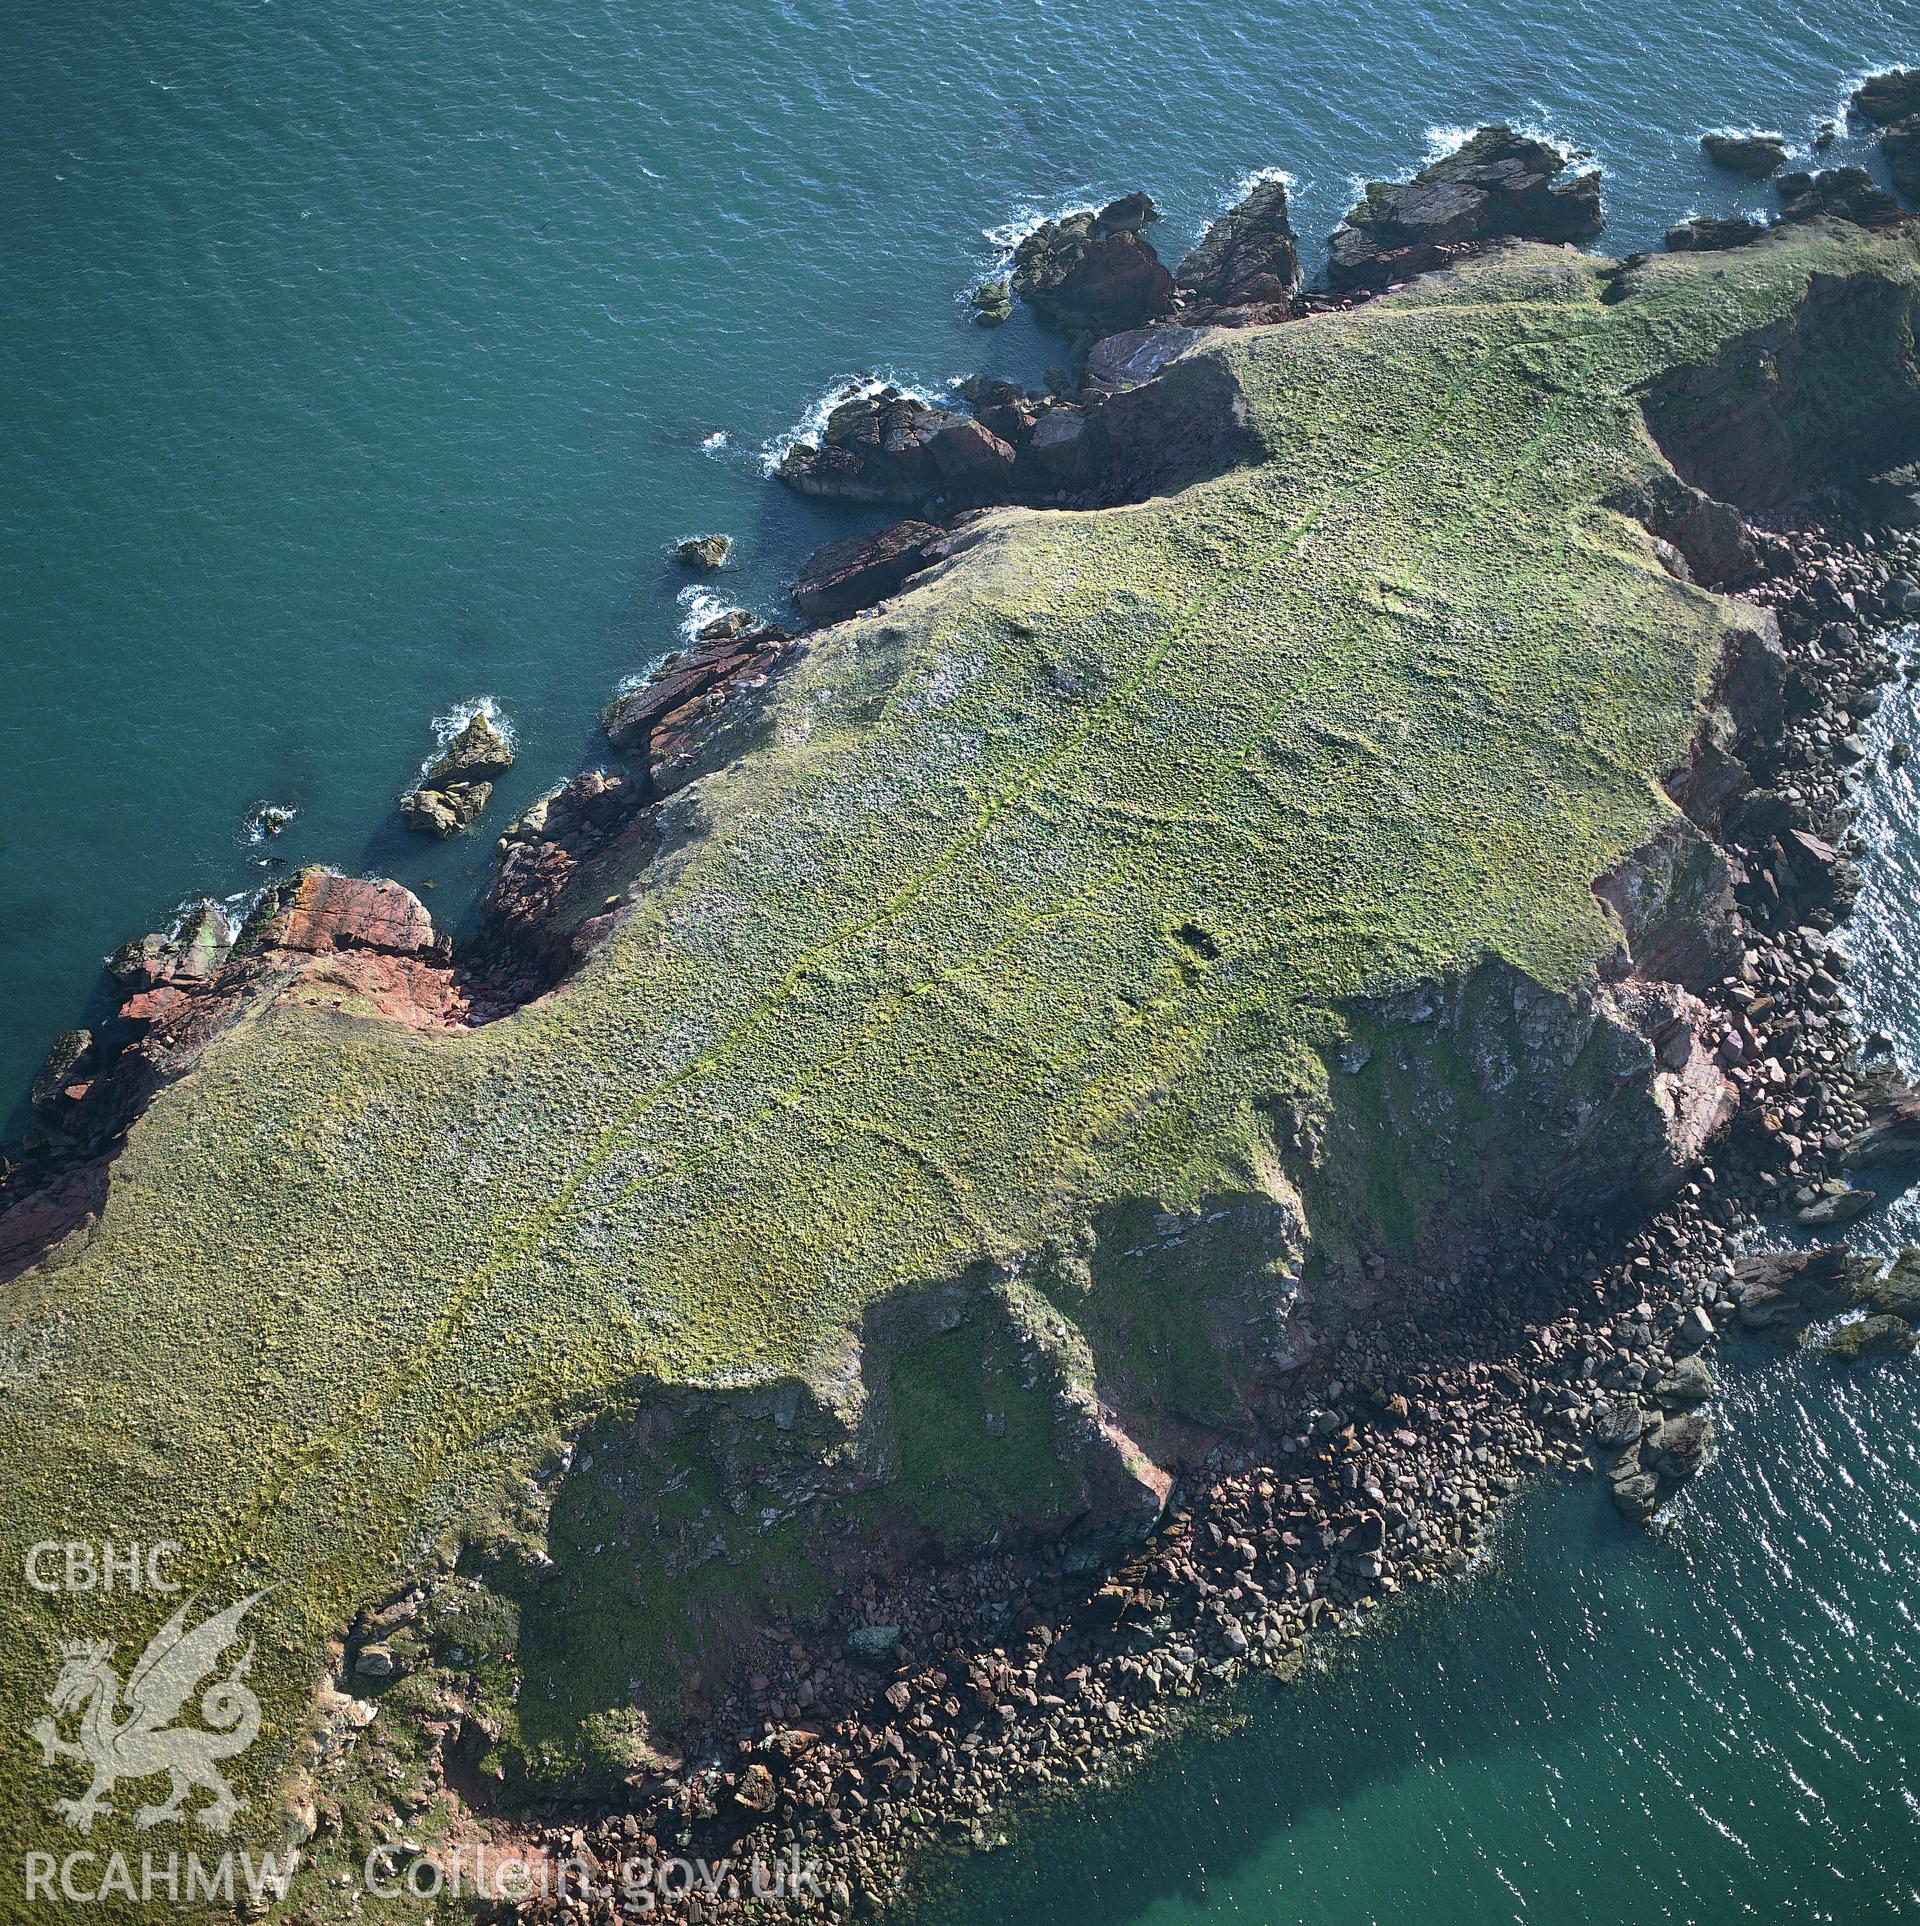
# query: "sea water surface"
358, 362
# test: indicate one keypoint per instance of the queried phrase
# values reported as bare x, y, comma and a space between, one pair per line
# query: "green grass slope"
1047, 886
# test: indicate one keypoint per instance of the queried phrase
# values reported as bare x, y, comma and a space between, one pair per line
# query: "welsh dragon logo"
137, 1739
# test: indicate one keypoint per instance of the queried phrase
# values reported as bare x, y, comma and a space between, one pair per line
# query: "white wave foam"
267, 819
715, 443
1445, 139
806, 432
1259, 177
1028, 218
698, 607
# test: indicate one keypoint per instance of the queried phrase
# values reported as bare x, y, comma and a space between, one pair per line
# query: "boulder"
1678, 1448
1246, 258
1689, 1382
1836, 1204
1499, 185
755, 1790
863, 569
1837, 193
1094, 274
1636, 1495
1706, 232
1754, 155
872, 1643
1886, 97
993, 301
1132, 359
704, 553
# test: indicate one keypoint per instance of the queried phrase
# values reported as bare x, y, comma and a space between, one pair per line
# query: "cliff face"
1017, 1041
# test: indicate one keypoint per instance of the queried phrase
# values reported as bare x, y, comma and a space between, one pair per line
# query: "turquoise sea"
358, 362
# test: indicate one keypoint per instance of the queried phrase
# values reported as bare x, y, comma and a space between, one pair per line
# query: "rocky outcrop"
703, 553
458, 784
657, 725
863, 569
1891, 102
1780, 1292
993, 301
1146, 420
1838, 193
893, 447
1891, 1133
1499, 185
361, 945
1094, 274
1900, 143
1887, 97
1754, 155
1247, 259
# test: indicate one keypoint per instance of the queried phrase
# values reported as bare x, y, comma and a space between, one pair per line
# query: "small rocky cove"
936, 1699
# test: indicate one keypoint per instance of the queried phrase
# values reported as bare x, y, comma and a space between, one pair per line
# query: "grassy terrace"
1046, 887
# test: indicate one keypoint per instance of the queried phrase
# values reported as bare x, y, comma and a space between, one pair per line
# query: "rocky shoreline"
960, 1692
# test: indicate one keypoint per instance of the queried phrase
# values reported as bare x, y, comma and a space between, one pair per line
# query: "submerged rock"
1500, 185
1094, 274
705, 553
1247, 258
1755, 155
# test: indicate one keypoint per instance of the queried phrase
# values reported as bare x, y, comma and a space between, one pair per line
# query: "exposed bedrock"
1500, 185
1248, 258
1146, 422
1090, 274
1891, 102
1839, 193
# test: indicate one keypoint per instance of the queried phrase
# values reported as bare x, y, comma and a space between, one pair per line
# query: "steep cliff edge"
1009, 1052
